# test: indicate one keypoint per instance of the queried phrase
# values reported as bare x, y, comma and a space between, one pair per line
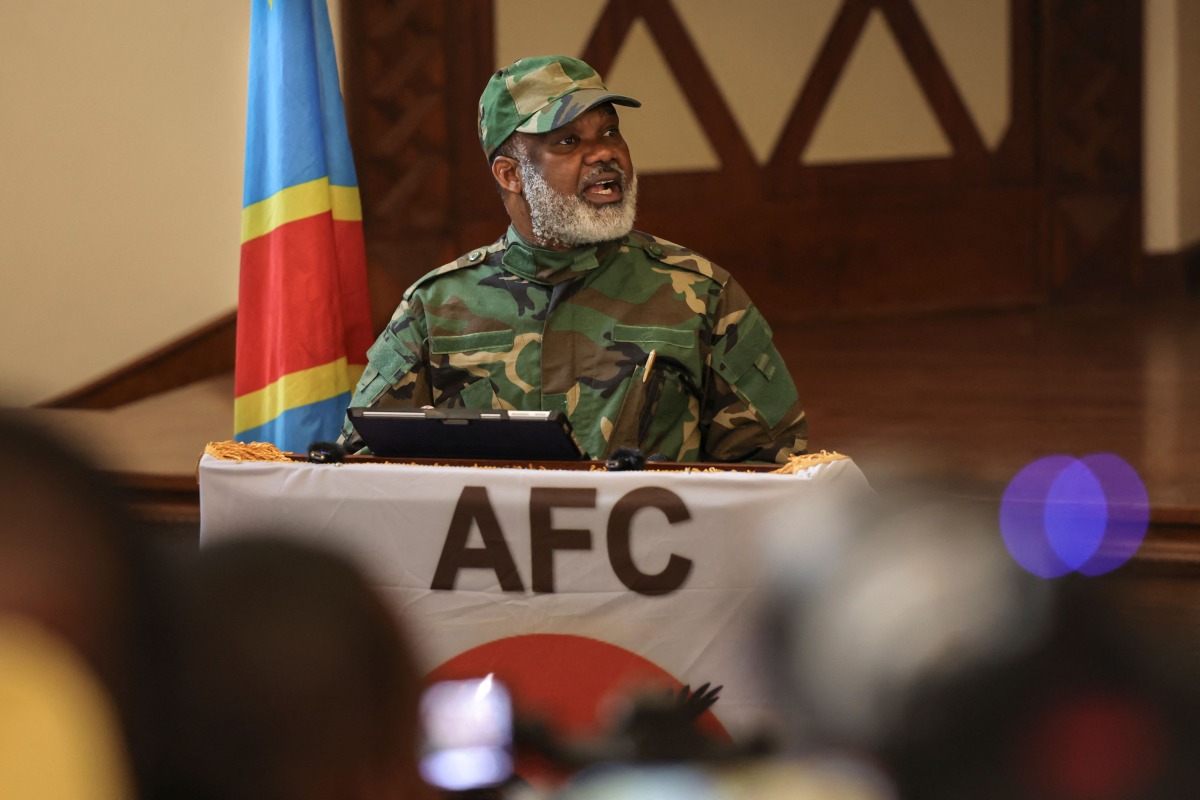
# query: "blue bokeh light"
1061, 514
1074, 514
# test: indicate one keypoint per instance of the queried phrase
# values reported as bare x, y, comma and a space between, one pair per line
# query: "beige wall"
1188, 99
122, 129
1171, 129
122, 135
1160, 134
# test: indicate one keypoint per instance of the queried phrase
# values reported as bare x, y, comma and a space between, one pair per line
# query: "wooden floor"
976, 396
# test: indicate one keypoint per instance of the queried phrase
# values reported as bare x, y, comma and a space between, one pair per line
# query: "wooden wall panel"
1090, 142
412, 76
1053, 211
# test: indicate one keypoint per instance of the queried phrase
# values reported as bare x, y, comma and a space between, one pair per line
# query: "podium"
575, 586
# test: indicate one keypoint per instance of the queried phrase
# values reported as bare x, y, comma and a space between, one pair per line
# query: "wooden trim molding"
159, 500
204, 353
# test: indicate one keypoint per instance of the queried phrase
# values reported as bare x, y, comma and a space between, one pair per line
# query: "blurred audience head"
73, 561
916, 595
297, 681
59, 735
919, 645
69, 558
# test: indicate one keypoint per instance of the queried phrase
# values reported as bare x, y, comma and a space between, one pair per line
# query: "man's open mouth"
604, 190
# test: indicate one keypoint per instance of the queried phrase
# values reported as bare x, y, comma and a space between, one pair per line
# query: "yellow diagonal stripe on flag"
294, 390
298, 202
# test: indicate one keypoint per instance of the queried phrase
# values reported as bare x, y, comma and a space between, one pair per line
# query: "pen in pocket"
649, 364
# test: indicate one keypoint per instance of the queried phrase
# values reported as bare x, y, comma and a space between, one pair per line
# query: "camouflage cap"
535, 95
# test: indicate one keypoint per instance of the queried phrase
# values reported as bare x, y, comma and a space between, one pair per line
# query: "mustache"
600, 169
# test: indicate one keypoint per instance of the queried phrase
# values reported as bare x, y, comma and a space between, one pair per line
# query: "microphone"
624, 459
326, 453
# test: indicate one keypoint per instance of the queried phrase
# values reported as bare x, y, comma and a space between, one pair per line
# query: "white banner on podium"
569, 585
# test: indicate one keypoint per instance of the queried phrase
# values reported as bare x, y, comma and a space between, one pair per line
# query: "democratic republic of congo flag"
303, 315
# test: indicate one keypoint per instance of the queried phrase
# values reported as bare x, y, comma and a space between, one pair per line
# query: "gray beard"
571, 221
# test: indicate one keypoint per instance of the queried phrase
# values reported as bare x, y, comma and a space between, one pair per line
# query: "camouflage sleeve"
752, 409
396, 375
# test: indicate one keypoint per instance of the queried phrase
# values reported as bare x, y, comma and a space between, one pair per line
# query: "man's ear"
507, 174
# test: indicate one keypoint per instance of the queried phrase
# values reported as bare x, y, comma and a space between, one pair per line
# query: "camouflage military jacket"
641, 342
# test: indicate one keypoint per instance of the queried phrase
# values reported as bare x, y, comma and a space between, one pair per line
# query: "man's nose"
600, 151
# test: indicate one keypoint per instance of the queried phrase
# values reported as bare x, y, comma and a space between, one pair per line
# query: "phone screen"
467, 734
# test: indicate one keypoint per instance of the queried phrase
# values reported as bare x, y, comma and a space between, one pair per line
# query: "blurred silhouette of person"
918, 646
73, 561
66, 546
297, 683
59, 734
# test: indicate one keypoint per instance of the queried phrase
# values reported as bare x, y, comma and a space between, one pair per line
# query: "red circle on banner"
573, 683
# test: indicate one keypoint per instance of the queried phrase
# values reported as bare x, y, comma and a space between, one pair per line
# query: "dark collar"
541, 265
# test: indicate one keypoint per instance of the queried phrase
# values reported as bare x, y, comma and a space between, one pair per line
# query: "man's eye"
567, 140
615, 132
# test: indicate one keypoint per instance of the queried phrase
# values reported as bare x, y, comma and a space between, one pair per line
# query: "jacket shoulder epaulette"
472, 259
676, 255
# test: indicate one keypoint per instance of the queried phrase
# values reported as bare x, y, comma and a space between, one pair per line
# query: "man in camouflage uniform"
641, 342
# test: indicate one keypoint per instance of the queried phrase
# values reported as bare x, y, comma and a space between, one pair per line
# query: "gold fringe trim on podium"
800, 463
265, 451
245, 451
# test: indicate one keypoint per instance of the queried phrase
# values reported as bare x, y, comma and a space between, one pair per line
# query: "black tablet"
466, 433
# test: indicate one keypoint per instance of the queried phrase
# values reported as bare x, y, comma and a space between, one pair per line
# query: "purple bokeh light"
1074, 514
1128, 512
1062, 514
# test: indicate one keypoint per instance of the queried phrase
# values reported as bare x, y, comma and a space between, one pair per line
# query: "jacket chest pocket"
660, 410
666, 351
470, 369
